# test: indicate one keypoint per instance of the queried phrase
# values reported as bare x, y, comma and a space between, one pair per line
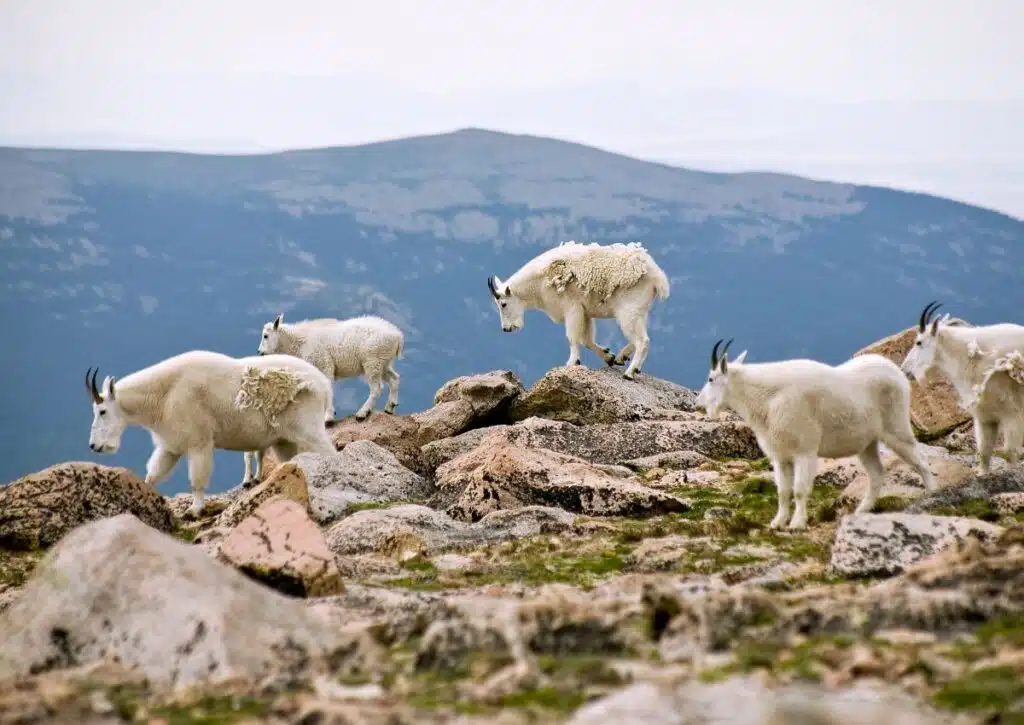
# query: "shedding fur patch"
600, 270
1012, 364
269, 391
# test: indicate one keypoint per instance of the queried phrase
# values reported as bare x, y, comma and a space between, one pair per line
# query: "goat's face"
270, 342
712, 397
107, 418
510, 307
921, 356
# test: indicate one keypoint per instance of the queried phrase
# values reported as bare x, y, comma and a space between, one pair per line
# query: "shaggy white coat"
576, 284
801, 410
194, 402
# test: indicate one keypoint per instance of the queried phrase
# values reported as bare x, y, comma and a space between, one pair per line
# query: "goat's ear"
935, 325
277, 320
108, 387
506, 292
723, 364
740, 358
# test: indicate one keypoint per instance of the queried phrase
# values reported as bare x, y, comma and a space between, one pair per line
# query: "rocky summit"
588, 551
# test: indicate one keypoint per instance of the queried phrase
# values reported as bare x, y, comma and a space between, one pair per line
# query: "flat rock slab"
117, 588
280, 546
886, 544
38, 509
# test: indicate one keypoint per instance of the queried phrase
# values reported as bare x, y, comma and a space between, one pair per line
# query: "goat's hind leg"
392, 378
872, 462
784, 491
603, 352
253, 468
633, 323
373, 374
804, 470
909, 450
1013, 440
200, 468
985, 434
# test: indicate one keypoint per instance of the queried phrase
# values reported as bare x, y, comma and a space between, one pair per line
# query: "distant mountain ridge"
121, 258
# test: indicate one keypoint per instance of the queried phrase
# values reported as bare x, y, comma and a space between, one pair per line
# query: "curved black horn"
725, 349
714, 353
925, 314
492, 287
92, 386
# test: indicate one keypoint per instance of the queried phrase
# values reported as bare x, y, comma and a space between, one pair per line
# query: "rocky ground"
590, 551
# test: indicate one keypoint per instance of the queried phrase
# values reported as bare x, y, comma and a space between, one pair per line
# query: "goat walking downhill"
986, 367
199, 401
801, 410
576, 284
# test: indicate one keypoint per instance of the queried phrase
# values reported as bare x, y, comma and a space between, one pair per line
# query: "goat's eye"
711, 380
103, 412
918, 343
503, 305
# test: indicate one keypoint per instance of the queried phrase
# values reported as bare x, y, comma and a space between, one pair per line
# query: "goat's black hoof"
578, 362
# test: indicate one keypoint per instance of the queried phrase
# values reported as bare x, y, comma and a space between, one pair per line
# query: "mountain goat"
986, 367
199, 401
578, 283
801, 410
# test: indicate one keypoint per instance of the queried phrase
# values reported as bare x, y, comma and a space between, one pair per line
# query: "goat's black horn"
725, 349
714, 353
925, 314
93, 389
491, 286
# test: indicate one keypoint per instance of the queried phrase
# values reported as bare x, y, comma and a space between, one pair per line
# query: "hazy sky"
915, 93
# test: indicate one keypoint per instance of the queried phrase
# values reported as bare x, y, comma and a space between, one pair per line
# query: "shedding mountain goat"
801, 410
198, 401
986, 367
578, 283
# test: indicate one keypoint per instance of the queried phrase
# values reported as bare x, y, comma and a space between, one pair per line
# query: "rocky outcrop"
118, 588
280, 546
287, 481
396, 433
934, 404
585, 396
900, 479
972, 488
468, 402
872, 544
38, 509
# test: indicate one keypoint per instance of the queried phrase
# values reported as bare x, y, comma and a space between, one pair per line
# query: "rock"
614, 443
118, 588
672, 461
444, 420
287, 481
900, 478
934, 404
501, 476
972, 488
874, 544
585, 396
38, 509
280, 546
363, 472
1008, 503
396, 433
489, 394
418, 528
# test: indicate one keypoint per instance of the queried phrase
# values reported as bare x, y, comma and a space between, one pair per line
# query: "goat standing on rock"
986, 367
198, 401
801, 410
578, 283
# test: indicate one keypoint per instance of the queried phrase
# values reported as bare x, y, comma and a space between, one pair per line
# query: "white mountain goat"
801, 410
985, 365
578, 283
199, 401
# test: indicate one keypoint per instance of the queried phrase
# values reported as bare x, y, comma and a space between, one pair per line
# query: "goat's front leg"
784, 490
1013, 439
160, 464
576, 333
200, 468
804, 469
253, 468
373, 374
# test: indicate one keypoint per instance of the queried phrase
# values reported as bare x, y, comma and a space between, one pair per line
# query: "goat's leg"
392, 378
909, 450
985, 434
1013, 440
373, 374
633, 323
624, 354
200, 468
160, 464
784, 490
247, 478
804, 470
285, 451
872, 462
602, 352
575, 333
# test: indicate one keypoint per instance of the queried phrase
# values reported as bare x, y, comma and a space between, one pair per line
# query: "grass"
991, 688
974, 508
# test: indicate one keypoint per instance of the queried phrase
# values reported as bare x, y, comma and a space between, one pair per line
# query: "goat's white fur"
981, 363
801, 410
576, 284
364, 346
192, 403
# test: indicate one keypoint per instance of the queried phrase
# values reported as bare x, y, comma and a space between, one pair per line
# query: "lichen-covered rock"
501, 476
871, 544
441, 451
585, 396
671, 461
489, 394
287, 481
396, 433
900, 479
411, 527
444, 420
363, 472
38, 509
280, 546
973, 488
934, 404
117, 588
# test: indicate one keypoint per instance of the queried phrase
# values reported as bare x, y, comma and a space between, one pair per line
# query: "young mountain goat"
986, 367
198, 401
579, 283
801, 410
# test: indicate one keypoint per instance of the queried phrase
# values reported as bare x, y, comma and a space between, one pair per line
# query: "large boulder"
363, 472
502, 476
396, 433
117, 588
280, 546
1008, 480
489, 395
38, 509
934, 404
583, 395
287, 481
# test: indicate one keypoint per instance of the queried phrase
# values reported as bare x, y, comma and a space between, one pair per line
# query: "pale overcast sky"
919, 94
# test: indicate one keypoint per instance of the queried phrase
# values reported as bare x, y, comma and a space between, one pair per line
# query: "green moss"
991, 688
974, 508
188, 535
757, 484
762, 464
1003, 630
209, 710
17, 566
890, 504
